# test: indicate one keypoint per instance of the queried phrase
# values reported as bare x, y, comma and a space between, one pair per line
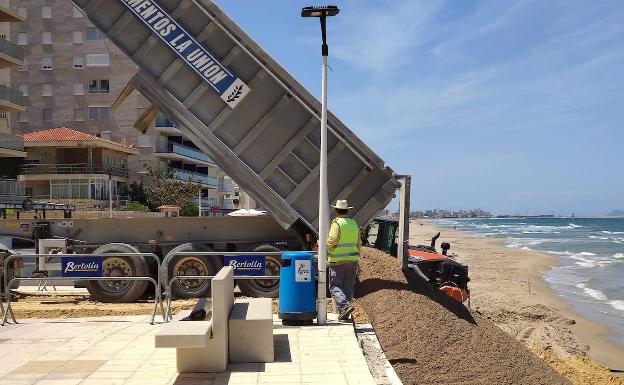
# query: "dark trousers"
342, 278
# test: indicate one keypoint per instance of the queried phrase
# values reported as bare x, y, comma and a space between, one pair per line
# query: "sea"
590, 254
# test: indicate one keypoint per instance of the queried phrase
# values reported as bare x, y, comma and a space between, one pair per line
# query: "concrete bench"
202, 346
251, 331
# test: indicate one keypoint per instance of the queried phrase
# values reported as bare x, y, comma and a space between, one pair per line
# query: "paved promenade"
120, 351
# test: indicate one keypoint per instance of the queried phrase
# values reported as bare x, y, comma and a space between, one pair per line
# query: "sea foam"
596, 294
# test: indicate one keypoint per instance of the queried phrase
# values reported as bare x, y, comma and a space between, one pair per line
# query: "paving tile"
17, 382
91, 381
59, 382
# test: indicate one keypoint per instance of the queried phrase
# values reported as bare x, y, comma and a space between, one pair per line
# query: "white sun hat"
342, 205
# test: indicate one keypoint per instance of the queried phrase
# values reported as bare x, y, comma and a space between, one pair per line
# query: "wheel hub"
191, 266
116, 267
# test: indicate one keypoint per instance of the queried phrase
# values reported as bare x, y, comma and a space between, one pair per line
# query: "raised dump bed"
238, 105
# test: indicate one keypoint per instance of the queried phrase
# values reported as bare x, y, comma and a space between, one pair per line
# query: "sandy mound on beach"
431, 339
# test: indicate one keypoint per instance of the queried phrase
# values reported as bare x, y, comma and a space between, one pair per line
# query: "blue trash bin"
297, 290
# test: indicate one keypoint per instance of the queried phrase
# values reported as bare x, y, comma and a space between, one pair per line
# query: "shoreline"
512, 292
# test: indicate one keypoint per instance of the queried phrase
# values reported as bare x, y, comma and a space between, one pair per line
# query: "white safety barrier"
169, 282
78, 277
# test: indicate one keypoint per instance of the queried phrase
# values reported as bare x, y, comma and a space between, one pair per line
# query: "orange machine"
441, 270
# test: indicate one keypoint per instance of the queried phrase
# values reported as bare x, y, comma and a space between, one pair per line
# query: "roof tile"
64, 134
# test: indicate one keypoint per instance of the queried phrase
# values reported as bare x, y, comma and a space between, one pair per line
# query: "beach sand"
507, 287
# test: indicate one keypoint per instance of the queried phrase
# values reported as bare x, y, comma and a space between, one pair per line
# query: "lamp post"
322, 13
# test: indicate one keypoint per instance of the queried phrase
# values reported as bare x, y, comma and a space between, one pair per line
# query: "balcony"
207, 203
11, 100
205, 180
177, 151
166, 126
11, 146
11, 55
9, 16
12, 191
226, 188
77, 168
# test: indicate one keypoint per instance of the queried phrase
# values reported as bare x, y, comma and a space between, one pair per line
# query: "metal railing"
12, 142
226, 187
190, 152
170, 256
75, 168
8, 283
11, 50
12, 187
207, 180
12, 96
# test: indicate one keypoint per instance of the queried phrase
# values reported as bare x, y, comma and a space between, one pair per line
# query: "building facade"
11, 100
72, 74
68, 166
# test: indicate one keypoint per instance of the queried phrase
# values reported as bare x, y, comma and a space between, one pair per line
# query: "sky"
513, 107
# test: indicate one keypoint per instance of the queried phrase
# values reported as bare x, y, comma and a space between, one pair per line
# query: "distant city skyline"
512, 107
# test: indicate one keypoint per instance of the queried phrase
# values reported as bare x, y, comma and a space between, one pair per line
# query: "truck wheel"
263, 287
191, 265
119, 291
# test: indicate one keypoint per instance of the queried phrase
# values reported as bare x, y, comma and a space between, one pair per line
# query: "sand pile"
431, 339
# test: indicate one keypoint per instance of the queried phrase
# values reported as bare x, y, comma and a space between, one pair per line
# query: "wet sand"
507, 287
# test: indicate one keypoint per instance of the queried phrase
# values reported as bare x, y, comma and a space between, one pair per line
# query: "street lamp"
322, 13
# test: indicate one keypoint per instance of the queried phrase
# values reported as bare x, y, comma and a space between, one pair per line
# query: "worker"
343, 247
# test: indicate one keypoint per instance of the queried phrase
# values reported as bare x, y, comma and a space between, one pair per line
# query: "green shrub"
189, 209
134, 206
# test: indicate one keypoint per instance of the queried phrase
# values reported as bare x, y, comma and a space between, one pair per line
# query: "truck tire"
268, 288
191, 265
119, 291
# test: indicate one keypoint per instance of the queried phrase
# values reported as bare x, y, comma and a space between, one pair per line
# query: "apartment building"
71, 75
11, 100
68, 166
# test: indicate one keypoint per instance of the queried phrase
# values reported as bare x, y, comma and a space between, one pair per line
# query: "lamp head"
327, 10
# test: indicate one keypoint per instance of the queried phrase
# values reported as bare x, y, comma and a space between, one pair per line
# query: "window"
3, 36
78, 63
23, 88
95, 34
46, 63
78, 89
46, 12
98, 113
98, 60
46, 89
46, 38
3, 115
77, 12
22, 117
99, 86
144, 141
23, 12
78, 37
47, 115
78, 115
22, 38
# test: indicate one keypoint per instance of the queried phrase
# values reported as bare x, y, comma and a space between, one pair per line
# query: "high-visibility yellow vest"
346, 250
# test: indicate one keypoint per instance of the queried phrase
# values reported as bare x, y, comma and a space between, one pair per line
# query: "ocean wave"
522, 243
573, 226
595, 294
559, 252
612, 232
591, 260
601, 238
617, 304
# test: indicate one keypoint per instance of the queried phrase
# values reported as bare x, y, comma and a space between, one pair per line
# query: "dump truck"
252, 118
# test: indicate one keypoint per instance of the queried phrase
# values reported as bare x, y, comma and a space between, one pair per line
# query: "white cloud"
382, 37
